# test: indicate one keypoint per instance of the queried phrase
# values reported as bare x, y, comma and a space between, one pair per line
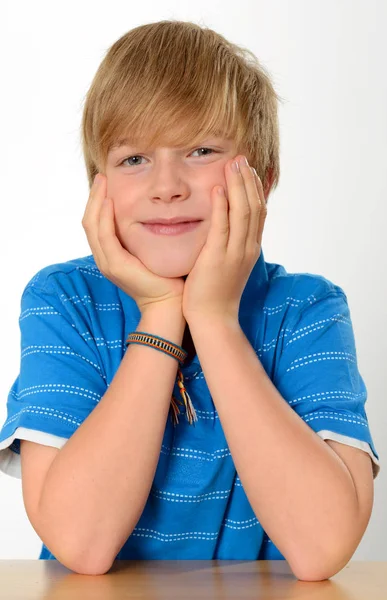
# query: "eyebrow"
131, 143
123, 142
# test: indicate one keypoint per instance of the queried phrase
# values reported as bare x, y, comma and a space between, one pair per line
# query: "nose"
168, 183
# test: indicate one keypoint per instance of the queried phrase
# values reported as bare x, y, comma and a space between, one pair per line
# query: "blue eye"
129, 158
138, 156
203, 148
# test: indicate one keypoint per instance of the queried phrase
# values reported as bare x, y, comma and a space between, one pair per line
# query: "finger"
115, 255
93, 191
255, 205
90, 220
239, 212
218, 234
257, 233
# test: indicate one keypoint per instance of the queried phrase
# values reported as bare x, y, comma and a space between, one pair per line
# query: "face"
166, 182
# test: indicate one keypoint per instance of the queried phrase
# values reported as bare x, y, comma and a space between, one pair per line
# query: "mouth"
172, 221
172, 228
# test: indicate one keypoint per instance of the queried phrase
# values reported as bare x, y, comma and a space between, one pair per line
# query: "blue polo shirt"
74, 323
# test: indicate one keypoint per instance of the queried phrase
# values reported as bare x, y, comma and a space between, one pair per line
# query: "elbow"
320, 575
314, 575
85, 555
87, 564
319, 570
83, 566
321, 561
92, 569
84, 558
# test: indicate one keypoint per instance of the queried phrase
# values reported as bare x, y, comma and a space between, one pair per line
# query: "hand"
116, 263
216, 282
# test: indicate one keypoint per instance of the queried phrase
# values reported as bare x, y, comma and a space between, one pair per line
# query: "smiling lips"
171, 229
172, 221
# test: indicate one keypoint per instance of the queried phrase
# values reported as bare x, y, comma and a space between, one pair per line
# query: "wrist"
166, 321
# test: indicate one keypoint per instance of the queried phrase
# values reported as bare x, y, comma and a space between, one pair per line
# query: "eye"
130, 158
203, 148
138, 156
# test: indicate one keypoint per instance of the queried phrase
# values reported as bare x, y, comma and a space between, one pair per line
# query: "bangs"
166, 130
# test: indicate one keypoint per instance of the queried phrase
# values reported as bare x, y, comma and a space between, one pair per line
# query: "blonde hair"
174, 83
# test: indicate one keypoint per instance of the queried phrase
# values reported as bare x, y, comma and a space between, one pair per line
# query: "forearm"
300, 490
97, 486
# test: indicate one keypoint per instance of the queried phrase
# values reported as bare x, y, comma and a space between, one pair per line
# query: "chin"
169, 271
163, 267
177, 262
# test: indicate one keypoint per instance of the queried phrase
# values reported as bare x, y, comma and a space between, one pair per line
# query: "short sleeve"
60, 381
317, 373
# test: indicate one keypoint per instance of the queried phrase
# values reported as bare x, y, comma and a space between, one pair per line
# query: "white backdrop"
327, 216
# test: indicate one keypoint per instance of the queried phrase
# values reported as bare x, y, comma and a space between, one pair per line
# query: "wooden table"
188, 579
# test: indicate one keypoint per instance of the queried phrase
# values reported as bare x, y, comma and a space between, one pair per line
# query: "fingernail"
243, 161
97, 179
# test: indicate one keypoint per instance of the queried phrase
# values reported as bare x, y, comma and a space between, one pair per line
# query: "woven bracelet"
177, 352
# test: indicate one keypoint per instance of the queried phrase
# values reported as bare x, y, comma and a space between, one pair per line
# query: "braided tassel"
159, 343
189, 407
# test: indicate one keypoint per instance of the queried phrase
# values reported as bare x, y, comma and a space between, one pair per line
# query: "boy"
110, 469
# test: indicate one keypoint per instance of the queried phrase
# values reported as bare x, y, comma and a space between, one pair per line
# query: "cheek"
122, 201
116, 186
123, 215
206, 183
219, 176
124, 223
